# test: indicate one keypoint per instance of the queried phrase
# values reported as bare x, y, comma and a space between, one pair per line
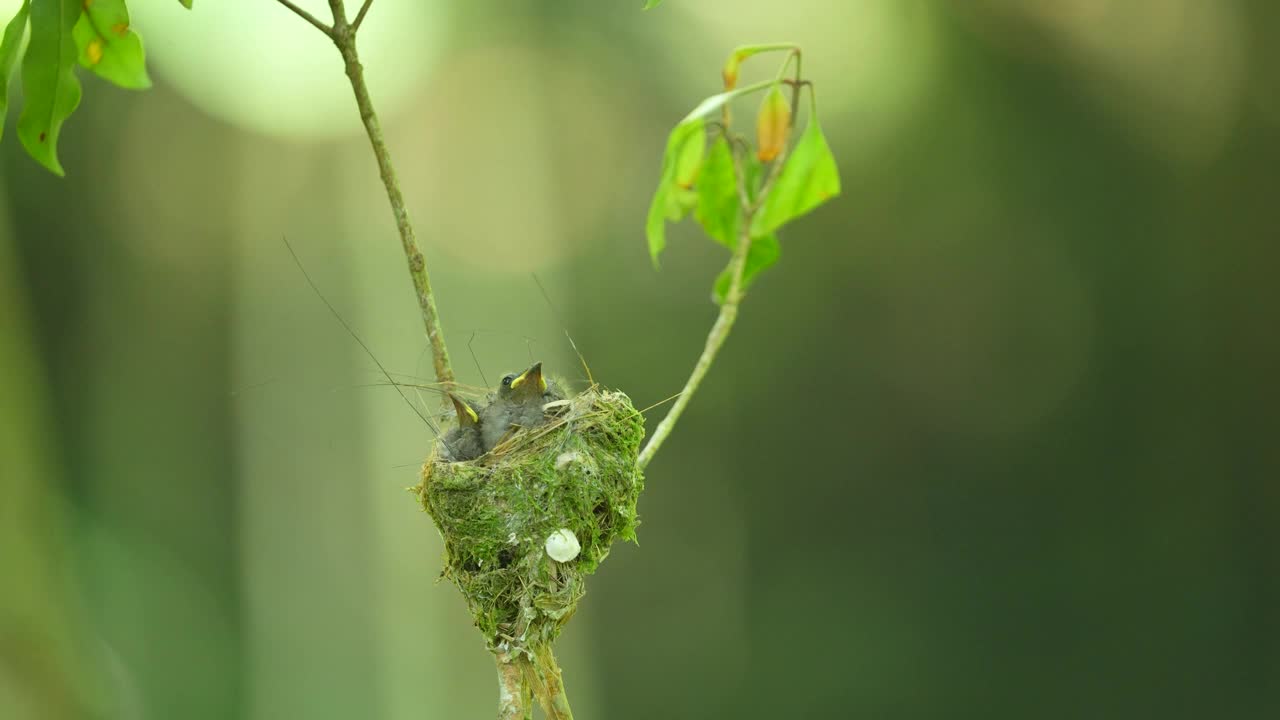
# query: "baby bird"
517, 403
463, 441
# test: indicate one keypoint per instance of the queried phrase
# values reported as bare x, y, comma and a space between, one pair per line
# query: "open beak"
529, 379
466, 414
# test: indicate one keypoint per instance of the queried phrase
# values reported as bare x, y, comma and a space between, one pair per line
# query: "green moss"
495, 514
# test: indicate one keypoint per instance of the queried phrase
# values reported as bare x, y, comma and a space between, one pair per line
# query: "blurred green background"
997, 437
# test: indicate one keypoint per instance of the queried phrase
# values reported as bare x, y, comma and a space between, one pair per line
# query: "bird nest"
503, 516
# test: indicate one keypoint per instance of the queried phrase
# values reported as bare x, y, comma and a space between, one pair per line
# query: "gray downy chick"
517, 403
463, 441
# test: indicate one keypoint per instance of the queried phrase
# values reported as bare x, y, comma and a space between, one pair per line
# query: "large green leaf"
109, 47
764, 252
692, 148
718, 210
808, 179
9, 48
186, 3
670, 200
48, 79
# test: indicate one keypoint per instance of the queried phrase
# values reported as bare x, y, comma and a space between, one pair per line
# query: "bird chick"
463, 441
517, 402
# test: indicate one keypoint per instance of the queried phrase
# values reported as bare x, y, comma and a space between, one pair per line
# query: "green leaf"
186, 3
808, 179
49, 80
670, 201
718, 210
680, 202
764, 252
655, 227
9, 48
109, 47
649, 4
692, 149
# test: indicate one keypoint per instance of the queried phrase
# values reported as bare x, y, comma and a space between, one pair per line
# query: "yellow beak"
466, 414
534, 376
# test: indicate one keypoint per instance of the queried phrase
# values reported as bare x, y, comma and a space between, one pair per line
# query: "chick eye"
506, 381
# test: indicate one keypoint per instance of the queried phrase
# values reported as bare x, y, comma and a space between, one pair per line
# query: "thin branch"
355, 25
715, 340
344, 37
308, 17
729, 308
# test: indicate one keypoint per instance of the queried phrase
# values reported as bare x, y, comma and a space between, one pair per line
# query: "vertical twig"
513, 693
543, 675
345, 38
555, 686
343, 35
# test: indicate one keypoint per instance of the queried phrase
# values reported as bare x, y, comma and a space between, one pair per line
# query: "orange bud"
772, 125
730, 71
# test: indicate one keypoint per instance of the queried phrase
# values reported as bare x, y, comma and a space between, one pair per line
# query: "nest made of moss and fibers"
578, 472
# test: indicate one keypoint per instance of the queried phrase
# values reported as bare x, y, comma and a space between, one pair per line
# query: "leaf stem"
729, 308
344, 37
749, 50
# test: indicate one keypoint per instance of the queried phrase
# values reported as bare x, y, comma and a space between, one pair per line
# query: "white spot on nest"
563, 546
563, 459
511, 539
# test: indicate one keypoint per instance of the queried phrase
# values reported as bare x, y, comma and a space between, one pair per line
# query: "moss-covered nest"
576, 472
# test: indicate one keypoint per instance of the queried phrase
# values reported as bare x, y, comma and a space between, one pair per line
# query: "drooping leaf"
808, 178
764, 252
772, 125
9, 48
649, 4
680, 201
109, 47
655, 227
691, 151
670, 201
718, 210
187, 3
48, 79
